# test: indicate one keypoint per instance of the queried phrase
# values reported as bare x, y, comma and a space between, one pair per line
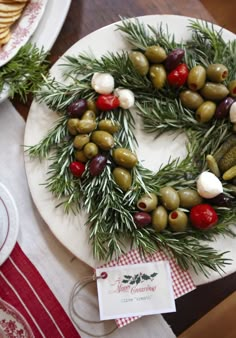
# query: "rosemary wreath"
110, 216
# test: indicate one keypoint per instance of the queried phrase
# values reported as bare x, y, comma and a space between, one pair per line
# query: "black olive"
221, 200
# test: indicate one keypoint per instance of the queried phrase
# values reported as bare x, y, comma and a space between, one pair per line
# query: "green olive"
232, 88
217, 72
80, 141
91, 105
86, 126
72, 125
124, 157
102, 139
158, 76
80, 156
109, 126
214, 91
147, 202
170, 198
122, 178
155, 54
196, 78
140, 62
90, 150
178, 220
189, 198
205, 111
89, 115
190, 99
159, 218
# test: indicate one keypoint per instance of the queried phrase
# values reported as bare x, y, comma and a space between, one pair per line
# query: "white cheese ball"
126, 97
232, 113
103, 83
208, 185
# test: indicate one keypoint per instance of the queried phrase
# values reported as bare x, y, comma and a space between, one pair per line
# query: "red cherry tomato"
77, 168
107, 102
178, 76
203, 216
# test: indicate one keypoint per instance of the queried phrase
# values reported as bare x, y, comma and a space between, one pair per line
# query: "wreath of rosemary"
111, 210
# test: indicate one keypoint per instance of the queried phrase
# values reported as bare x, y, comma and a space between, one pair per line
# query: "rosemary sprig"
117, 65
60, 181
54, 137
58, 96
190, 253
208, 46
24, 73
166, 115
141, 36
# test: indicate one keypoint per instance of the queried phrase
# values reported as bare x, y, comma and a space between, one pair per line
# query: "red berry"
203, 216
77, 168
178, 76
107, 102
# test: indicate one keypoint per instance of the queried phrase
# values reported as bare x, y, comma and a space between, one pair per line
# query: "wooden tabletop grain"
84, 17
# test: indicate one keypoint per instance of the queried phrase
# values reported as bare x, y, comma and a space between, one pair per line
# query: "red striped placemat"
24, 288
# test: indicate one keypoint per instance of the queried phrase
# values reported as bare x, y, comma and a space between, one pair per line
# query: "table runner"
57, 266
23, 287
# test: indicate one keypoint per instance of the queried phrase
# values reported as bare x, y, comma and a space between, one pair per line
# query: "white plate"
23, 29
70, 230
9, 223
12, 322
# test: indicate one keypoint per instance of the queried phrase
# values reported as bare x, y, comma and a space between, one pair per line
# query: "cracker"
4, 25
4, 40
4, 33
10, 20
13, 1
9, 14
11, 7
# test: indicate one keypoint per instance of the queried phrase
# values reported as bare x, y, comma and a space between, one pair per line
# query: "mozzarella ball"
208, 185
232, 113
126, 97
103, 83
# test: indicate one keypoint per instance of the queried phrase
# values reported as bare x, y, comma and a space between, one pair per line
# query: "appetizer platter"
130, 143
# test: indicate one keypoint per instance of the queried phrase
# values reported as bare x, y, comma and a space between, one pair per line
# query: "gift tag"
135, 290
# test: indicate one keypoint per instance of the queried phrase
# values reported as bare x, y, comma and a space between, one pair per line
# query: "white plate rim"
13, 225
73, 225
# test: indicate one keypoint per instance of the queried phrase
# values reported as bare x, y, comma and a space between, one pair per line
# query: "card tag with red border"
135, 290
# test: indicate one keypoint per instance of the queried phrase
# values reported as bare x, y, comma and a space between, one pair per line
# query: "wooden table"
86, 16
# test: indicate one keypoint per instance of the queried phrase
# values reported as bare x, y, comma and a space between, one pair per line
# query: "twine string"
78, 287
